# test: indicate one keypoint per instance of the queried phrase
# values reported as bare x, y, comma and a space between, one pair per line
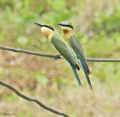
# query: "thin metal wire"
32, 99
55, 56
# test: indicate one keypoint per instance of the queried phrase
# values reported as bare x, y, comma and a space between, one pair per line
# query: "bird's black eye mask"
45, 26
49, 27
69, 26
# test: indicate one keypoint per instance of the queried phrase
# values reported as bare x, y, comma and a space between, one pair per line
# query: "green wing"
63, 49
75, 44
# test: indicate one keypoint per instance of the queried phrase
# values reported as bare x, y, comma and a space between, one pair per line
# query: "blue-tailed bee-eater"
72, 40
62, 47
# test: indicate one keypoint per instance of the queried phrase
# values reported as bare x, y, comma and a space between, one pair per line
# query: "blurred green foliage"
97, 24
109, 22
23, 41
41, 78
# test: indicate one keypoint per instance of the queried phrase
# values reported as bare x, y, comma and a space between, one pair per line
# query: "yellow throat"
67, 32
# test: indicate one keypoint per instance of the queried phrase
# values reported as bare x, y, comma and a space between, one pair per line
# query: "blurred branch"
27, 52
32, 99
102, 60
55, 56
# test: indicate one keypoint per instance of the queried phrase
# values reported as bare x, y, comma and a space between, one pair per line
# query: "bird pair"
74, 56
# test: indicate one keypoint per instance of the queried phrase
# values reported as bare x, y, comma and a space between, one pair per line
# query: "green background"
97, 25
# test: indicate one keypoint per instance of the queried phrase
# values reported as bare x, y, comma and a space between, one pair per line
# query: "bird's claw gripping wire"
58, 57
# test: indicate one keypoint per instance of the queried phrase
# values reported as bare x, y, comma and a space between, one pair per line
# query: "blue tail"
76, 75
86, 73
87, 77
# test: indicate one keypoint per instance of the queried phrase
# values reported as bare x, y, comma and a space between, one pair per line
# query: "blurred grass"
97, 26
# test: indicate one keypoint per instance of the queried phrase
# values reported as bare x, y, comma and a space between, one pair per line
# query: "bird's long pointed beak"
39, 24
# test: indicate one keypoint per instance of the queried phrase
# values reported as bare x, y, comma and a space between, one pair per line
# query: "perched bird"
61, 46
71, 39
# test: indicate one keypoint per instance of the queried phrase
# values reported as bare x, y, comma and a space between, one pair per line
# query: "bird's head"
66, 27
46, 30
